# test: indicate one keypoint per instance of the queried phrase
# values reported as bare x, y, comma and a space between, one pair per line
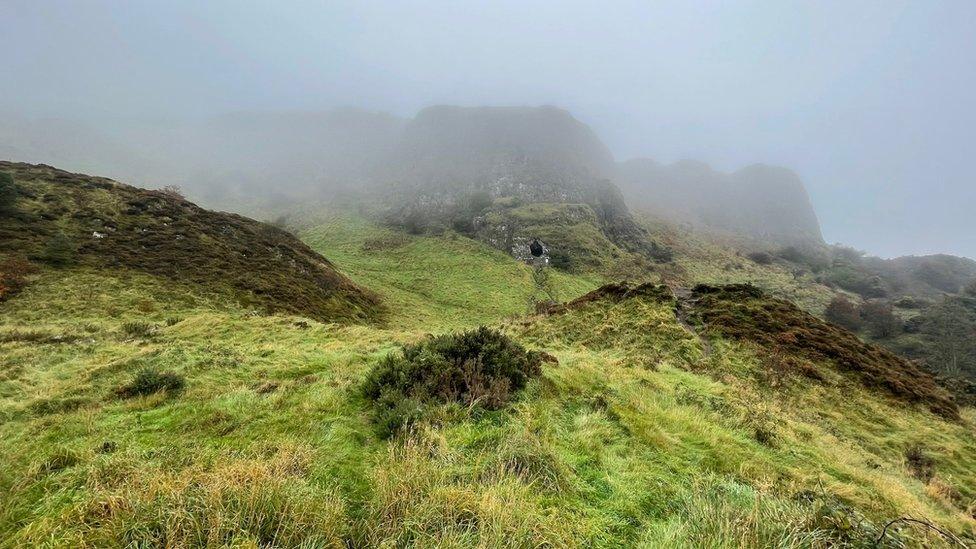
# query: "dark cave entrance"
535, 248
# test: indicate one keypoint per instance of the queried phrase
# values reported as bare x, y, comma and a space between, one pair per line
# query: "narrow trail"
682, 304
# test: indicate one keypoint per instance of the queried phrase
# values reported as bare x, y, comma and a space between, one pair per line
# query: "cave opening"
536, 248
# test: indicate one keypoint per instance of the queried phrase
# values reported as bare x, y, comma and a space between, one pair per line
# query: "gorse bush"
481, 367
149, 381
761, 258
59, 251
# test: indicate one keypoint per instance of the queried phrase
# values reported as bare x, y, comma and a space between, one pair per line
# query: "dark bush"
478, 202
661, 254
765, 436
561, 260
880, 319
149, 381
107, 447
844, 255
908, 302
920, 464
761, 258
481, 367
844, 313
59, 251
855, 280
815, 259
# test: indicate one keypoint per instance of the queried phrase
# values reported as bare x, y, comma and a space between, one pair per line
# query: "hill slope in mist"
64, 218
765, 203
256, 162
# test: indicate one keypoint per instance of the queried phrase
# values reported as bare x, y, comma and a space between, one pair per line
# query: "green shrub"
761, 258
149, 381
814, 258
59, 251
561, 260
855, 280
481, 367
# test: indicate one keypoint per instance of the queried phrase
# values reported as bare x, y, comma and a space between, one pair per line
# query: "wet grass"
632, 436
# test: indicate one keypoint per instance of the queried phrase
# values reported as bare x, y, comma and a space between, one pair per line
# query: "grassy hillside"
438, 282
647, 429
65, 219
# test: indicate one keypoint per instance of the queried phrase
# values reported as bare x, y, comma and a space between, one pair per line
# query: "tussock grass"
634, 436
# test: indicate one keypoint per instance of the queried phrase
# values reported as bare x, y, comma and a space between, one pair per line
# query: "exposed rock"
470, 169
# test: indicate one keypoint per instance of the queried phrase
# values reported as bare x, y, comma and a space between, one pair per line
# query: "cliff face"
473, 168
537, 154
762, 202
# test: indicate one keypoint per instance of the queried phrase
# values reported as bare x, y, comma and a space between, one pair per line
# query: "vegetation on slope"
61, 219
480, 367
744, 313
641, 433
438, 282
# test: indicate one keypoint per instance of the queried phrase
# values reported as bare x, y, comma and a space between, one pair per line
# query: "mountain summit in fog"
253, 161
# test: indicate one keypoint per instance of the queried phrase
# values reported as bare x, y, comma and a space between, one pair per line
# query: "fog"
870, 102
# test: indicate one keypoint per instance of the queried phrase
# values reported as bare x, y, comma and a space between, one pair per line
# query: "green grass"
637, 437
436, 283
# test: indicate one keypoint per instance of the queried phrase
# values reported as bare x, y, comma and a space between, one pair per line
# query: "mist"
869, 102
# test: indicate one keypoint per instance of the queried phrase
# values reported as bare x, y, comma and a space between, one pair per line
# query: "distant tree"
952, 335
844, 313
59, 251
845, 255
880, 319
8, 192
815, 259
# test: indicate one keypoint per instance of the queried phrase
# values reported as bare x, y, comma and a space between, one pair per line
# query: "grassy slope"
436, 283
636, 437
106, 224
701, 260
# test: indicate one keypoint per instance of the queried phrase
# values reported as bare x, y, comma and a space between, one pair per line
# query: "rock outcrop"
766, 203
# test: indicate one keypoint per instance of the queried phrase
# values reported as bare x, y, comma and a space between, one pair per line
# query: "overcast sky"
872, 102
